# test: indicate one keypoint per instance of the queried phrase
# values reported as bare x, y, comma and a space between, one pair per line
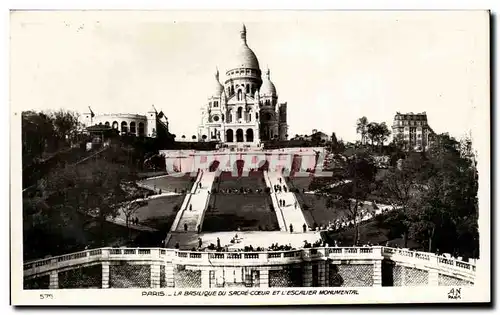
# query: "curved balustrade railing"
162, 255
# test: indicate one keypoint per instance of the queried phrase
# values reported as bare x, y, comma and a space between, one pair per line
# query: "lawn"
160, 212
170, 183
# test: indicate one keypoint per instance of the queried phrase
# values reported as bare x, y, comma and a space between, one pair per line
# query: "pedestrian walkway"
287, 203
195, 204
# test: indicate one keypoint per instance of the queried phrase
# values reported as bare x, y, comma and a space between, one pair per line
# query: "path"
292, 212
195, 204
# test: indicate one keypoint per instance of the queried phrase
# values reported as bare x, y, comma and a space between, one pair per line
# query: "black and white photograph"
249, 157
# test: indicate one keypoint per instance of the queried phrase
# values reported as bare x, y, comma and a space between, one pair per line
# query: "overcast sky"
330, 67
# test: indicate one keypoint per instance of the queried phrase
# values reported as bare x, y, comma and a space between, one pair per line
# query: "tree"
93, 188
378, 133
400, 185
447, 211
38, 136
359, 177
362, 128
383, 134
372, 132
65, 123
129, 207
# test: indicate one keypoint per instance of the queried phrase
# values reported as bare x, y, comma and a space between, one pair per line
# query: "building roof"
244, 57
267, 87
217, 88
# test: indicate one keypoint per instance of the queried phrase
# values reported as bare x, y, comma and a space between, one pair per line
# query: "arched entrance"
213, 166
239, 135
229, 135
124, 127
249, 135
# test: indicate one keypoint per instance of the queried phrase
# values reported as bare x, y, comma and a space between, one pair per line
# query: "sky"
331, 67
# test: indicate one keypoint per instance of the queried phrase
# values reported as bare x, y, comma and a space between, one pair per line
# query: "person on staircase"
304, 227
185, 227
291, 228
190, 207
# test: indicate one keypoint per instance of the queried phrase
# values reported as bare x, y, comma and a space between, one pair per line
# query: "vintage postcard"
249, 157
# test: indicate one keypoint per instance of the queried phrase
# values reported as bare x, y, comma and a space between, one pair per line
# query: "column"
155, 275
264, 278
105, 274
327, 274
433, 278
307, 275
205, 278
377, 273
54, 280
169, 275
321, 274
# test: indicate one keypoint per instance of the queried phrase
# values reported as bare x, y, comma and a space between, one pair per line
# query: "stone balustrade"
436, 267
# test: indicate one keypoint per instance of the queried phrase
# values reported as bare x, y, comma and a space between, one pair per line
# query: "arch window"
256, 115
216, 104
141, 129
239, 135
124, 127
229, 135
248, 88
249, 135
115, 125
239, 114
239, 95
132, 128
106, 124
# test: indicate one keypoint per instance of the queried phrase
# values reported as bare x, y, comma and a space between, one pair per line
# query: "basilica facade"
245, 110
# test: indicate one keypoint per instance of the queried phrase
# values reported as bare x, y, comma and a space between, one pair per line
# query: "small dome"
244, 57
217, 88
267, 87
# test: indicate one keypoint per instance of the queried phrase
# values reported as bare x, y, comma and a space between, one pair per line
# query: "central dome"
245, 57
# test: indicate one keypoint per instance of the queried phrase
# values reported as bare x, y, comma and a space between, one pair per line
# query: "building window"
141, 129
124, 127
216, 104
239, 114
248, 88
132, 127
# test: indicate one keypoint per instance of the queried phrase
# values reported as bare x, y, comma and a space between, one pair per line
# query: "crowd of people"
241, 190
